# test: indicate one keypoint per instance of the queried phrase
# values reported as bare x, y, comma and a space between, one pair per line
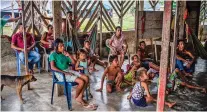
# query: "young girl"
130, 75
82, 65
140, 87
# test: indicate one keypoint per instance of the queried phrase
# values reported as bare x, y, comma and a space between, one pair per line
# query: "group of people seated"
77, 68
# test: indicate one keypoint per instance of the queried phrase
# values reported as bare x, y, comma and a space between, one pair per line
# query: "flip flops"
91, 106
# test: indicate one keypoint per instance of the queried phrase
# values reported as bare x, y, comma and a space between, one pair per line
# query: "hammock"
198, 47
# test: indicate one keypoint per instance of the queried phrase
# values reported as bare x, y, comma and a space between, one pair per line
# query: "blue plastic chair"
67, 87
19, 62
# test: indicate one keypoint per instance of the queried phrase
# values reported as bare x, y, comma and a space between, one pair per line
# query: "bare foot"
118, 89
170, 105
82, 102
129, 97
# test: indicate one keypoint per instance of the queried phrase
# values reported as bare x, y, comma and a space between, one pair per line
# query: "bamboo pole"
164, 55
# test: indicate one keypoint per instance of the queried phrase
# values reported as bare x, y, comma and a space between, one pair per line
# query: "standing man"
18, 44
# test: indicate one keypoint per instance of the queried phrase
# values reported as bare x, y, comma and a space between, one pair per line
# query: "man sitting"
18, 44
184, 59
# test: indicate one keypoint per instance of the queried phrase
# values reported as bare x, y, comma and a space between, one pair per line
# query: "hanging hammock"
198, 47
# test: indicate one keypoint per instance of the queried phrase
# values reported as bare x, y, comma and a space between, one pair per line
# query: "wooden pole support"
164, 55
100, 17
57, 20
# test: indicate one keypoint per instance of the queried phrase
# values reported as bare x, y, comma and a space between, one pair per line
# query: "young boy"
174, 82
113, 74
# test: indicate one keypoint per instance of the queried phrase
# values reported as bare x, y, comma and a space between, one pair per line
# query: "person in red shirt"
18, 44
47, 39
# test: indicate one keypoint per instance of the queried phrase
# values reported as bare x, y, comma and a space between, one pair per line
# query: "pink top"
117, 43
17, 40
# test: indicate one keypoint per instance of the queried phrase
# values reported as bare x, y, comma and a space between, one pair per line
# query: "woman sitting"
59, 61
116, 42
47, 39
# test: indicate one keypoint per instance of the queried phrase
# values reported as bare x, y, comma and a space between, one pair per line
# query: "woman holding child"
59, 61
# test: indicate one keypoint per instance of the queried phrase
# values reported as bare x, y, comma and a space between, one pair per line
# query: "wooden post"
182, 5
57, 20
100, 30
141, 5
32, 16
121, 14
164, 55
25, 41
13, 23
173, 48
136, 25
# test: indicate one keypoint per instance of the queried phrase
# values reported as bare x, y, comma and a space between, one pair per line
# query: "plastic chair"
19, 62
110, 54
67, 87
44, 58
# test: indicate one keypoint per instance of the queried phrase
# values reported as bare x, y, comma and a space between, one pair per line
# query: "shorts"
111, 82
116, 51
69, 78
141, 102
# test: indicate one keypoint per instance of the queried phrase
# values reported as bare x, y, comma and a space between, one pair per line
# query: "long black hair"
56, 43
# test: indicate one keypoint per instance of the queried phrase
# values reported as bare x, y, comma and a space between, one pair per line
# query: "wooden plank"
151, 33
82, 12
38, 11
69, 4
106, 25
62, 9
92, 18
154, 24
121, 13
173, 50
105, 11
126, 4
87, 13
151, 15
128, 7
83, 3
114, 9
164, 55
104, 15
182, 5
65, 6
136, 24
117, 6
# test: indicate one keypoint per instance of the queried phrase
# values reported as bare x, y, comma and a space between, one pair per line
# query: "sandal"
91, 106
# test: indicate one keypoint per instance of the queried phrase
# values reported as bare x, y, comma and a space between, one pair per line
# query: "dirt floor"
38, 99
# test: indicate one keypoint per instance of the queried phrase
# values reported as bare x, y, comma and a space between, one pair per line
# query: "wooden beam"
83, 10
121, 13
164, 55
128, 7
126, 4
65, 6
114, 9
182, 5
118, 6
175, 36
104, 15
92, 18
83, 3
105, 11
38, 11
38, 32
32, 18
87, 13
106, 25
69, 4
136, 25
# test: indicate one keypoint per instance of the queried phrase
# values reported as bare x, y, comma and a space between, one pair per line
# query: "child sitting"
174, 82
82, 65
113, 74
130, 75
140, 87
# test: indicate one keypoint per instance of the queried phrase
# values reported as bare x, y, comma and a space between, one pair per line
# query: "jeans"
33, 57
181, 67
